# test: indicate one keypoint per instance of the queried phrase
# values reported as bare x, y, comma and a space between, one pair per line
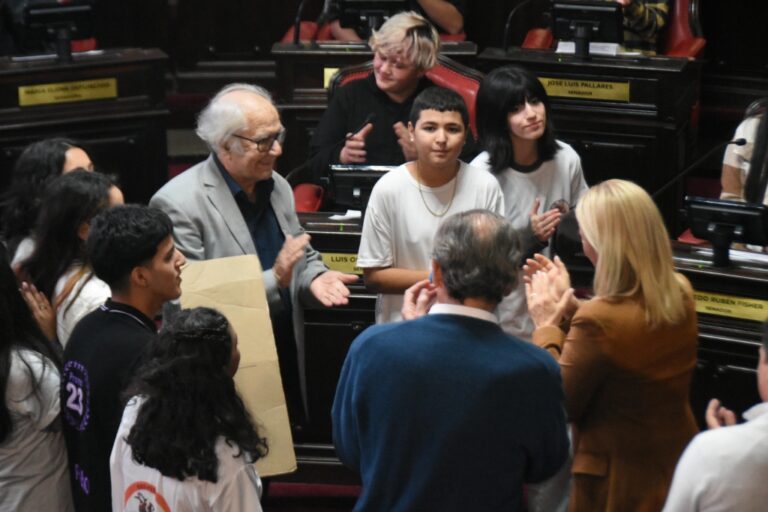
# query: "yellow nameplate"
343, 262
732, 306
328, 75
67, 92
586, 89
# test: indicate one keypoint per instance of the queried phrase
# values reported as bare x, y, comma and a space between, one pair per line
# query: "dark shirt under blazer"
208, 224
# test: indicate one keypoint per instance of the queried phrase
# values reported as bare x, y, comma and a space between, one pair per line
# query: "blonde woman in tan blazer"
626, 356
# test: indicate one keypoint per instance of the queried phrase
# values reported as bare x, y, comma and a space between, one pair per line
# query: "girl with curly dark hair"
186, 439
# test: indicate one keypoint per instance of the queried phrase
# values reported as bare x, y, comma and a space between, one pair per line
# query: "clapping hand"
41, 309
543, 225
405, 140
290, 253
718, 416
559, 279
330, 288
545, 305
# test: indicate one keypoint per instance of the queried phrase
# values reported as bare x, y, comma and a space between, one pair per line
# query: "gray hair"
478, 252
221, 117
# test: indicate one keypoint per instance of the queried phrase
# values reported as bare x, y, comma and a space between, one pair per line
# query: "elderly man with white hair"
234, 203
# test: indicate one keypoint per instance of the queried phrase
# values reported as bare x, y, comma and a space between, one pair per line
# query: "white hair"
222, 117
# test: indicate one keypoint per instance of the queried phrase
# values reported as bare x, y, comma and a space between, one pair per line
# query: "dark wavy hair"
68, 201
122, 238
38, 164
190, 400
501, 92
19, 332
478, 252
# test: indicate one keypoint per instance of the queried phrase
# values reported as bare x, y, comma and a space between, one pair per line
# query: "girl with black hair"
186, 438
535, 170
39, 164
58, 266
33, 457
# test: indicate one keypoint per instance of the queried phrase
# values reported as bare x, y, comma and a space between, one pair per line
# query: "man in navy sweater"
447, 412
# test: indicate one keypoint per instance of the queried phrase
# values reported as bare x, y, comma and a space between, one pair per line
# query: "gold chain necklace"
424, 199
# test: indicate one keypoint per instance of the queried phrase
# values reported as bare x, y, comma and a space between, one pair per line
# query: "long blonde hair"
623, 225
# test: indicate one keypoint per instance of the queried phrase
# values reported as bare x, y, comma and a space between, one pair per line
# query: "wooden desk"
113, 101
732, 305
627, 117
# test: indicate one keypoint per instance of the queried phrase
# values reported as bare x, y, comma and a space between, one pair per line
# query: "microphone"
370, 118
737, 142
321, 19
508, 25
297, 23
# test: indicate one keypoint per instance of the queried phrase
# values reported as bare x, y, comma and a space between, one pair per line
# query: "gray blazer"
208, 224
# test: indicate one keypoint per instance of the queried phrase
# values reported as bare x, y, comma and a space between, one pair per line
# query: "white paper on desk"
351, 214
595, 48
754, 256
234, 286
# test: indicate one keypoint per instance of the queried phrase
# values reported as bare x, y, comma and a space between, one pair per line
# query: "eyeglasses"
265, 144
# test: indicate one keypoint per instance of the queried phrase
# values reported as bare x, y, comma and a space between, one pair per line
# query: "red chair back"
308, 197
307, 30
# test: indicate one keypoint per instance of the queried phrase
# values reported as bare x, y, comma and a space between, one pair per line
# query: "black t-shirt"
99, 360
349, 107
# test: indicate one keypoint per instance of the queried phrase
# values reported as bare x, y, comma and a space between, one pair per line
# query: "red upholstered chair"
309, 30
682, 37
308, 197
447, 73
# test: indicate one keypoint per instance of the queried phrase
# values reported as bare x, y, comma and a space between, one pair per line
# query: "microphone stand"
320, 22
508, 25
297, 23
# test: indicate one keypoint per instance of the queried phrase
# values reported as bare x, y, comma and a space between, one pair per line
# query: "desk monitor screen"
369, 14
585, 21
59, 24
724, 222
352, 184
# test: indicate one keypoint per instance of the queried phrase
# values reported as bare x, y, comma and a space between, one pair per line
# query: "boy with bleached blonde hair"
365, 122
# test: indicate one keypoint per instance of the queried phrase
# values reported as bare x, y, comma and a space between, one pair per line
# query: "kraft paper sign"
234, 286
